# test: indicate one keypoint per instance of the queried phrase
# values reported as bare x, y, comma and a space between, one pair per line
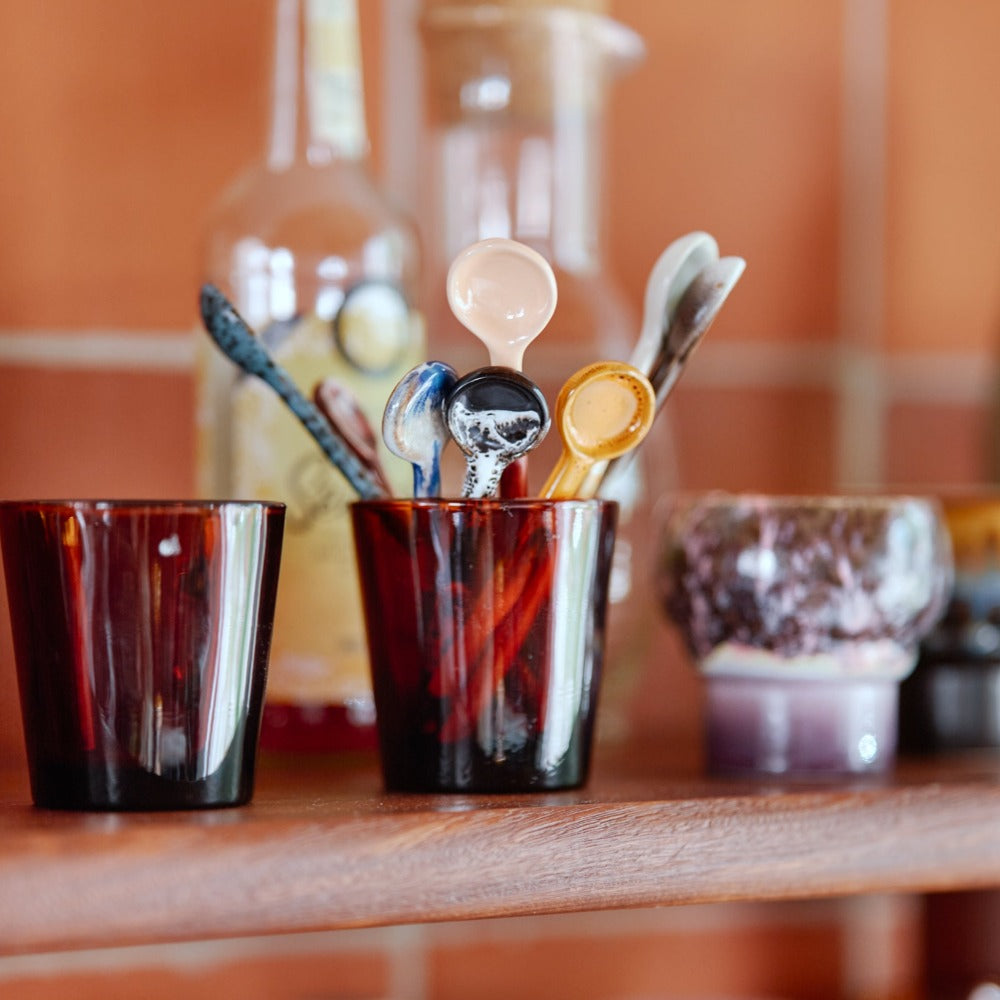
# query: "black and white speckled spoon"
496, 415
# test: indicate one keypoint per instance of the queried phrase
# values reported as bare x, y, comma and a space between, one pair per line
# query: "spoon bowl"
504, 293
603, 411
414, 424
496, 415
692, 316
669, 279
343, 412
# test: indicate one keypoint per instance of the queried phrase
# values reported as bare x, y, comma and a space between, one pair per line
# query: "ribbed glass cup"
141, 636
486, 624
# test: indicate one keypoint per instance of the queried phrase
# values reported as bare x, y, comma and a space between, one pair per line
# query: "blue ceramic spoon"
414, 425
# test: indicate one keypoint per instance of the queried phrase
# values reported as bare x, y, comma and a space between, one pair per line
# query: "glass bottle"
326, 271
517, 95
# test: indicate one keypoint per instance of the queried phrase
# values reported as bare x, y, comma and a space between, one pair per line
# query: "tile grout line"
406, 946
874, 960
402, 106
862, 386
959, 379
104, 349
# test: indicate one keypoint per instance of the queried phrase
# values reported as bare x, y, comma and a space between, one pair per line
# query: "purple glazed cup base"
800, 727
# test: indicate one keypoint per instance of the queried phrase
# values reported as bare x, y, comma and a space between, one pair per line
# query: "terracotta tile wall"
796, 951
849, 149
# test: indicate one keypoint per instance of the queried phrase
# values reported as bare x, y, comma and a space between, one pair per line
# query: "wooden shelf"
323, 847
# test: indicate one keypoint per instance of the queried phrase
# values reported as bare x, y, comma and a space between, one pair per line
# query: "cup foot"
108, 782
805, 727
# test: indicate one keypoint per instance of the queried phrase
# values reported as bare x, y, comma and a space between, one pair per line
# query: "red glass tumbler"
141, 636
485, 623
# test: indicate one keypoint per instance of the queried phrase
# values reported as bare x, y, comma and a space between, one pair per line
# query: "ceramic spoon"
673, 271
343, 412
496, 415
505, 294
603, 411
237, 341
695, 312
414, 425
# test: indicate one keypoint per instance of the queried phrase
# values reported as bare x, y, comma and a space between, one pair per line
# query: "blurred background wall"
848, 149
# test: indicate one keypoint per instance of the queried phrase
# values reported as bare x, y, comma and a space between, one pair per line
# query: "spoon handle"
482, 475
237, 341
566, 477
427, 479
514, 481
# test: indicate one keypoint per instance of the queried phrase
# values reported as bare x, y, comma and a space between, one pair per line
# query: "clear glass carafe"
517, 96
326, 271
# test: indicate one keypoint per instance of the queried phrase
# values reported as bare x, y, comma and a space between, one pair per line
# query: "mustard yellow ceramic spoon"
603, 411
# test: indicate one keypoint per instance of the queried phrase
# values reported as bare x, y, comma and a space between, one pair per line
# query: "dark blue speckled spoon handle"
237, 341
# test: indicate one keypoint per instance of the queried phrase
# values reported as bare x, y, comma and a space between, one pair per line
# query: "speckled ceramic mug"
803, 615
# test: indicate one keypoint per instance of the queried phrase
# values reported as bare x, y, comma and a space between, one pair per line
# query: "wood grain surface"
323, 847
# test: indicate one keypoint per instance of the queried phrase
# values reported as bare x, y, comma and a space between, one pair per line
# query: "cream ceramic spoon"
673, 271
504, 293
669, 278
694, 314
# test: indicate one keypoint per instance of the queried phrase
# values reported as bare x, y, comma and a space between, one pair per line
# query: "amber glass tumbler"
485, 623
141, 635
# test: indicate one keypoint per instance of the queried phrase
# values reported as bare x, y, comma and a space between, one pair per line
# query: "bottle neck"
317, 98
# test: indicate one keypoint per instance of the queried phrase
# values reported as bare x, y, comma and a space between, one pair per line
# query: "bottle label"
318, 649
333, 72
